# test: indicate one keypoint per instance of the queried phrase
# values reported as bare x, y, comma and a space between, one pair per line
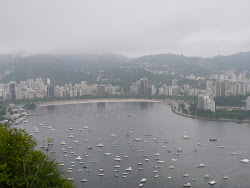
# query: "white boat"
71, 136
85, 127
137, 139
187, 185
157, 154
186, 136
84, 180
185, 175
212, 182
174, 160
225, 177
141, 185
62, 143
107, 154
206, 176
76, 141
117, 159
129, 169
156, 176
101, 174
169, 177
70, 179
143, 180
160, 161
171, 167
244, 160
99, 145
78, 158
200, 165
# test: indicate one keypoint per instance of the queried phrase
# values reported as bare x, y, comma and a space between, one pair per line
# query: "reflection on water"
116, 125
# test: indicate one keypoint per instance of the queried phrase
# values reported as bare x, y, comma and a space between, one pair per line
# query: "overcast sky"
129, 27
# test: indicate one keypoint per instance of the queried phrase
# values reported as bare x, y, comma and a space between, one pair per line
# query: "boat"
137, 139
206, 176
156, 176
143, 180
141, 185
171, 167
129, 114
78, 158
212, 182
244, 160
117, 159
76, 141
200, 165
186, 136
213, 139
116, 175
148, 133
89, 147
71, 136
101, 174
225, 177
107, 154
99, 145
129, 169
84, 180
63, 143
187, 185
185, 175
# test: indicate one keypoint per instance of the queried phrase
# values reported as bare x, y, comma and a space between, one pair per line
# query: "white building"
248, 103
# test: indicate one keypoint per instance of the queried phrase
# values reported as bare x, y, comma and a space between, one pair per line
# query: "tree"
23, 166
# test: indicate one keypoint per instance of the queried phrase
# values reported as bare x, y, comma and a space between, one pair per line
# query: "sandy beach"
95, 101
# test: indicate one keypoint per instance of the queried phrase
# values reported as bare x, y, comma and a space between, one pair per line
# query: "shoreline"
169, 102
87, 101
203, 118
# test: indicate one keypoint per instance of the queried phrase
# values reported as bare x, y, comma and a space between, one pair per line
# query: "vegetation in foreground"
23, 166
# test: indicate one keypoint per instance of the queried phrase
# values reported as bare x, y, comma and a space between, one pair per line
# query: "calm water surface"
105, 119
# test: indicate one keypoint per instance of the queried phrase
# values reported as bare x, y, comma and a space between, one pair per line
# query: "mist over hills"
72, 68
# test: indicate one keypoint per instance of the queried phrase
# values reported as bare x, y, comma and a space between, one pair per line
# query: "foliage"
30, 105
23, 166
2, 110
234, 114
230, 101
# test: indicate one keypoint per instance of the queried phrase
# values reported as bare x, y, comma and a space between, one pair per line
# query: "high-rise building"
248, 103
206, 103
144, 86
219, 89
100, 90
13, 91
50, 91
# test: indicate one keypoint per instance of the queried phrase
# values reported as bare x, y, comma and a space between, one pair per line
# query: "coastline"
169, 102
82, 101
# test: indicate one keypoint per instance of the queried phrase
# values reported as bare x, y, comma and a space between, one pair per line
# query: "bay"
116, 125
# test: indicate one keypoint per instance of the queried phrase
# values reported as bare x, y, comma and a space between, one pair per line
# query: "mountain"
75, 68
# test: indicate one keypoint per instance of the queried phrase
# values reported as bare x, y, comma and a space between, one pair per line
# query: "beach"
94, 101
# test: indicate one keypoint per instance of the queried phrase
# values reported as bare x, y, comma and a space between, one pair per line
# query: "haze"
132, 27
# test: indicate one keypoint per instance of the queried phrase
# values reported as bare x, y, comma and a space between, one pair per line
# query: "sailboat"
148, 133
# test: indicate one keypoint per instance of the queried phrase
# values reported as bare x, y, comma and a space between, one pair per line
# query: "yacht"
107, 154
99, 145
212, 182
62, 143
78, 158
244, 160
129, 169
101, 174
137, 139
185, 136
200, 165
76, 141
84, 180
71, 136
117, 159
185, 175
187, 185
141, 185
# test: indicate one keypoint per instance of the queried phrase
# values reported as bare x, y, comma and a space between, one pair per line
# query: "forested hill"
73, 68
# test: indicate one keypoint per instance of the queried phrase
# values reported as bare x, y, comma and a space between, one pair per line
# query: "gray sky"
129, 27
